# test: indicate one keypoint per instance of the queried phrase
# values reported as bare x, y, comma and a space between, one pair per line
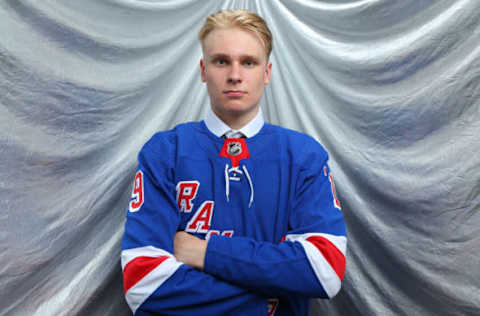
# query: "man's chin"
238, 106
239, 110
236, 111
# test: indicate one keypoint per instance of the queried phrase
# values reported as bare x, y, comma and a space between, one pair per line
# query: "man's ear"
268, 72
202, 70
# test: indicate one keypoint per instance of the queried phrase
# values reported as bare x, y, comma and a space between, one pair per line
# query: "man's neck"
236, 122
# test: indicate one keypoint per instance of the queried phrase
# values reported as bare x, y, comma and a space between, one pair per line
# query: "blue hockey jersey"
266, 204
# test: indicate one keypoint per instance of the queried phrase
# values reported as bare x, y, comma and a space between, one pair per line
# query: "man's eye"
221, 62
249, 63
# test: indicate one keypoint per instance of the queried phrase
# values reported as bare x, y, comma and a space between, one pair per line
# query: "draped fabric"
390, 88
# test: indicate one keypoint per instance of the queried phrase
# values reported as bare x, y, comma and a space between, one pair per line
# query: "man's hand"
189, 249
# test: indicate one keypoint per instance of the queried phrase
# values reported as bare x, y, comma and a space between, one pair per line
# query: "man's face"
236, 70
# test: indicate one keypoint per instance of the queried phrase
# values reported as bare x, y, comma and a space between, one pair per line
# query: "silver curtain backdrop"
390, 88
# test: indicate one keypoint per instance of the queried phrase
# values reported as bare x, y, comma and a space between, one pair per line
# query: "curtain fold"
390, 88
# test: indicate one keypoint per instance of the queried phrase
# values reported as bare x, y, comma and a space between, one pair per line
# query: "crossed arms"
175, 273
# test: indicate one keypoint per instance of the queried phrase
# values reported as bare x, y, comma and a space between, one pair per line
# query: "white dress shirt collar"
219, 128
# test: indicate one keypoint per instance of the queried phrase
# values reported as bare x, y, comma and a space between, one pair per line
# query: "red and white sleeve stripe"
144, 270
326, 254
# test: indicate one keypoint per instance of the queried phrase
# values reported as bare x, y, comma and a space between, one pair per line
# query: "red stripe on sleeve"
139, 267
330, 252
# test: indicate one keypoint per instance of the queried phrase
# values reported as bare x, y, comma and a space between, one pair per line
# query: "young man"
248, 225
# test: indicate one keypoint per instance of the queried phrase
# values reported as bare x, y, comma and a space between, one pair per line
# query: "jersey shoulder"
166, 142
301, 145
158, 156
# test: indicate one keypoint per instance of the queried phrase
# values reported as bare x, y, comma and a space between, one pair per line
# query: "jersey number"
336, 202
136, 201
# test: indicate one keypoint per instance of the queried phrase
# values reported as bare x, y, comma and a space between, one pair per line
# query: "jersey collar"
219, 128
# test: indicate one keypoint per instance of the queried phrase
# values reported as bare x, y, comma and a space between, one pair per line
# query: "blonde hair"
243, 19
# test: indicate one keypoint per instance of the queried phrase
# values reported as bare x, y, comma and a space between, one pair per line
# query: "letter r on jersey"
186, 192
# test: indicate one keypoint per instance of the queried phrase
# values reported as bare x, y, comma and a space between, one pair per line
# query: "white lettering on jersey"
201, 221
186, 192
227, 233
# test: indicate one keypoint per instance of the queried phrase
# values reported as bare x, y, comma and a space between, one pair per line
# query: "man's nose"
235, 73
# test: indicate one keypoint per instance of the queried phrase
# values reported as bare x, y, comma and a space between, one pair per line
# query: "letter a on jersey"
200, 222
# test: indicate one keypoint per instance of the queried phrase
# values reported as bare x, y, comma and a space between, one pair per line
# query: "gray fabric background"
390, 88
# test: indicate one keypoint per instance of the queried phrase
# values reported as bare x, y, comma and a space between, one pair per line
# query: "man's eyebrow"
242, 57
216, 56
250, 57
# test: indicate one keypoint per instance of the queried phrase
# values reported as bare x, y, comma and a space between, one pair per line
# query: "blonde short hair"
243, 19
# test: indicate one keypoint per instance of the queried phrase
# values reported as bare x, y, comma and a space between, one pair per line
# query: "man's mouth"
234, 93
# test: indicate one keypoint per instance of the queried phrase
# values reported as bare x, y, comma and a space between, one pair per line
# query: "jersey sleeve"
310, 261
154, 281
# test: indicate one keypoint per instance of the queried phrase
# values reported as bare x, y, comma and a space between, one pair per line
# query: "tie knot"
233, 134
